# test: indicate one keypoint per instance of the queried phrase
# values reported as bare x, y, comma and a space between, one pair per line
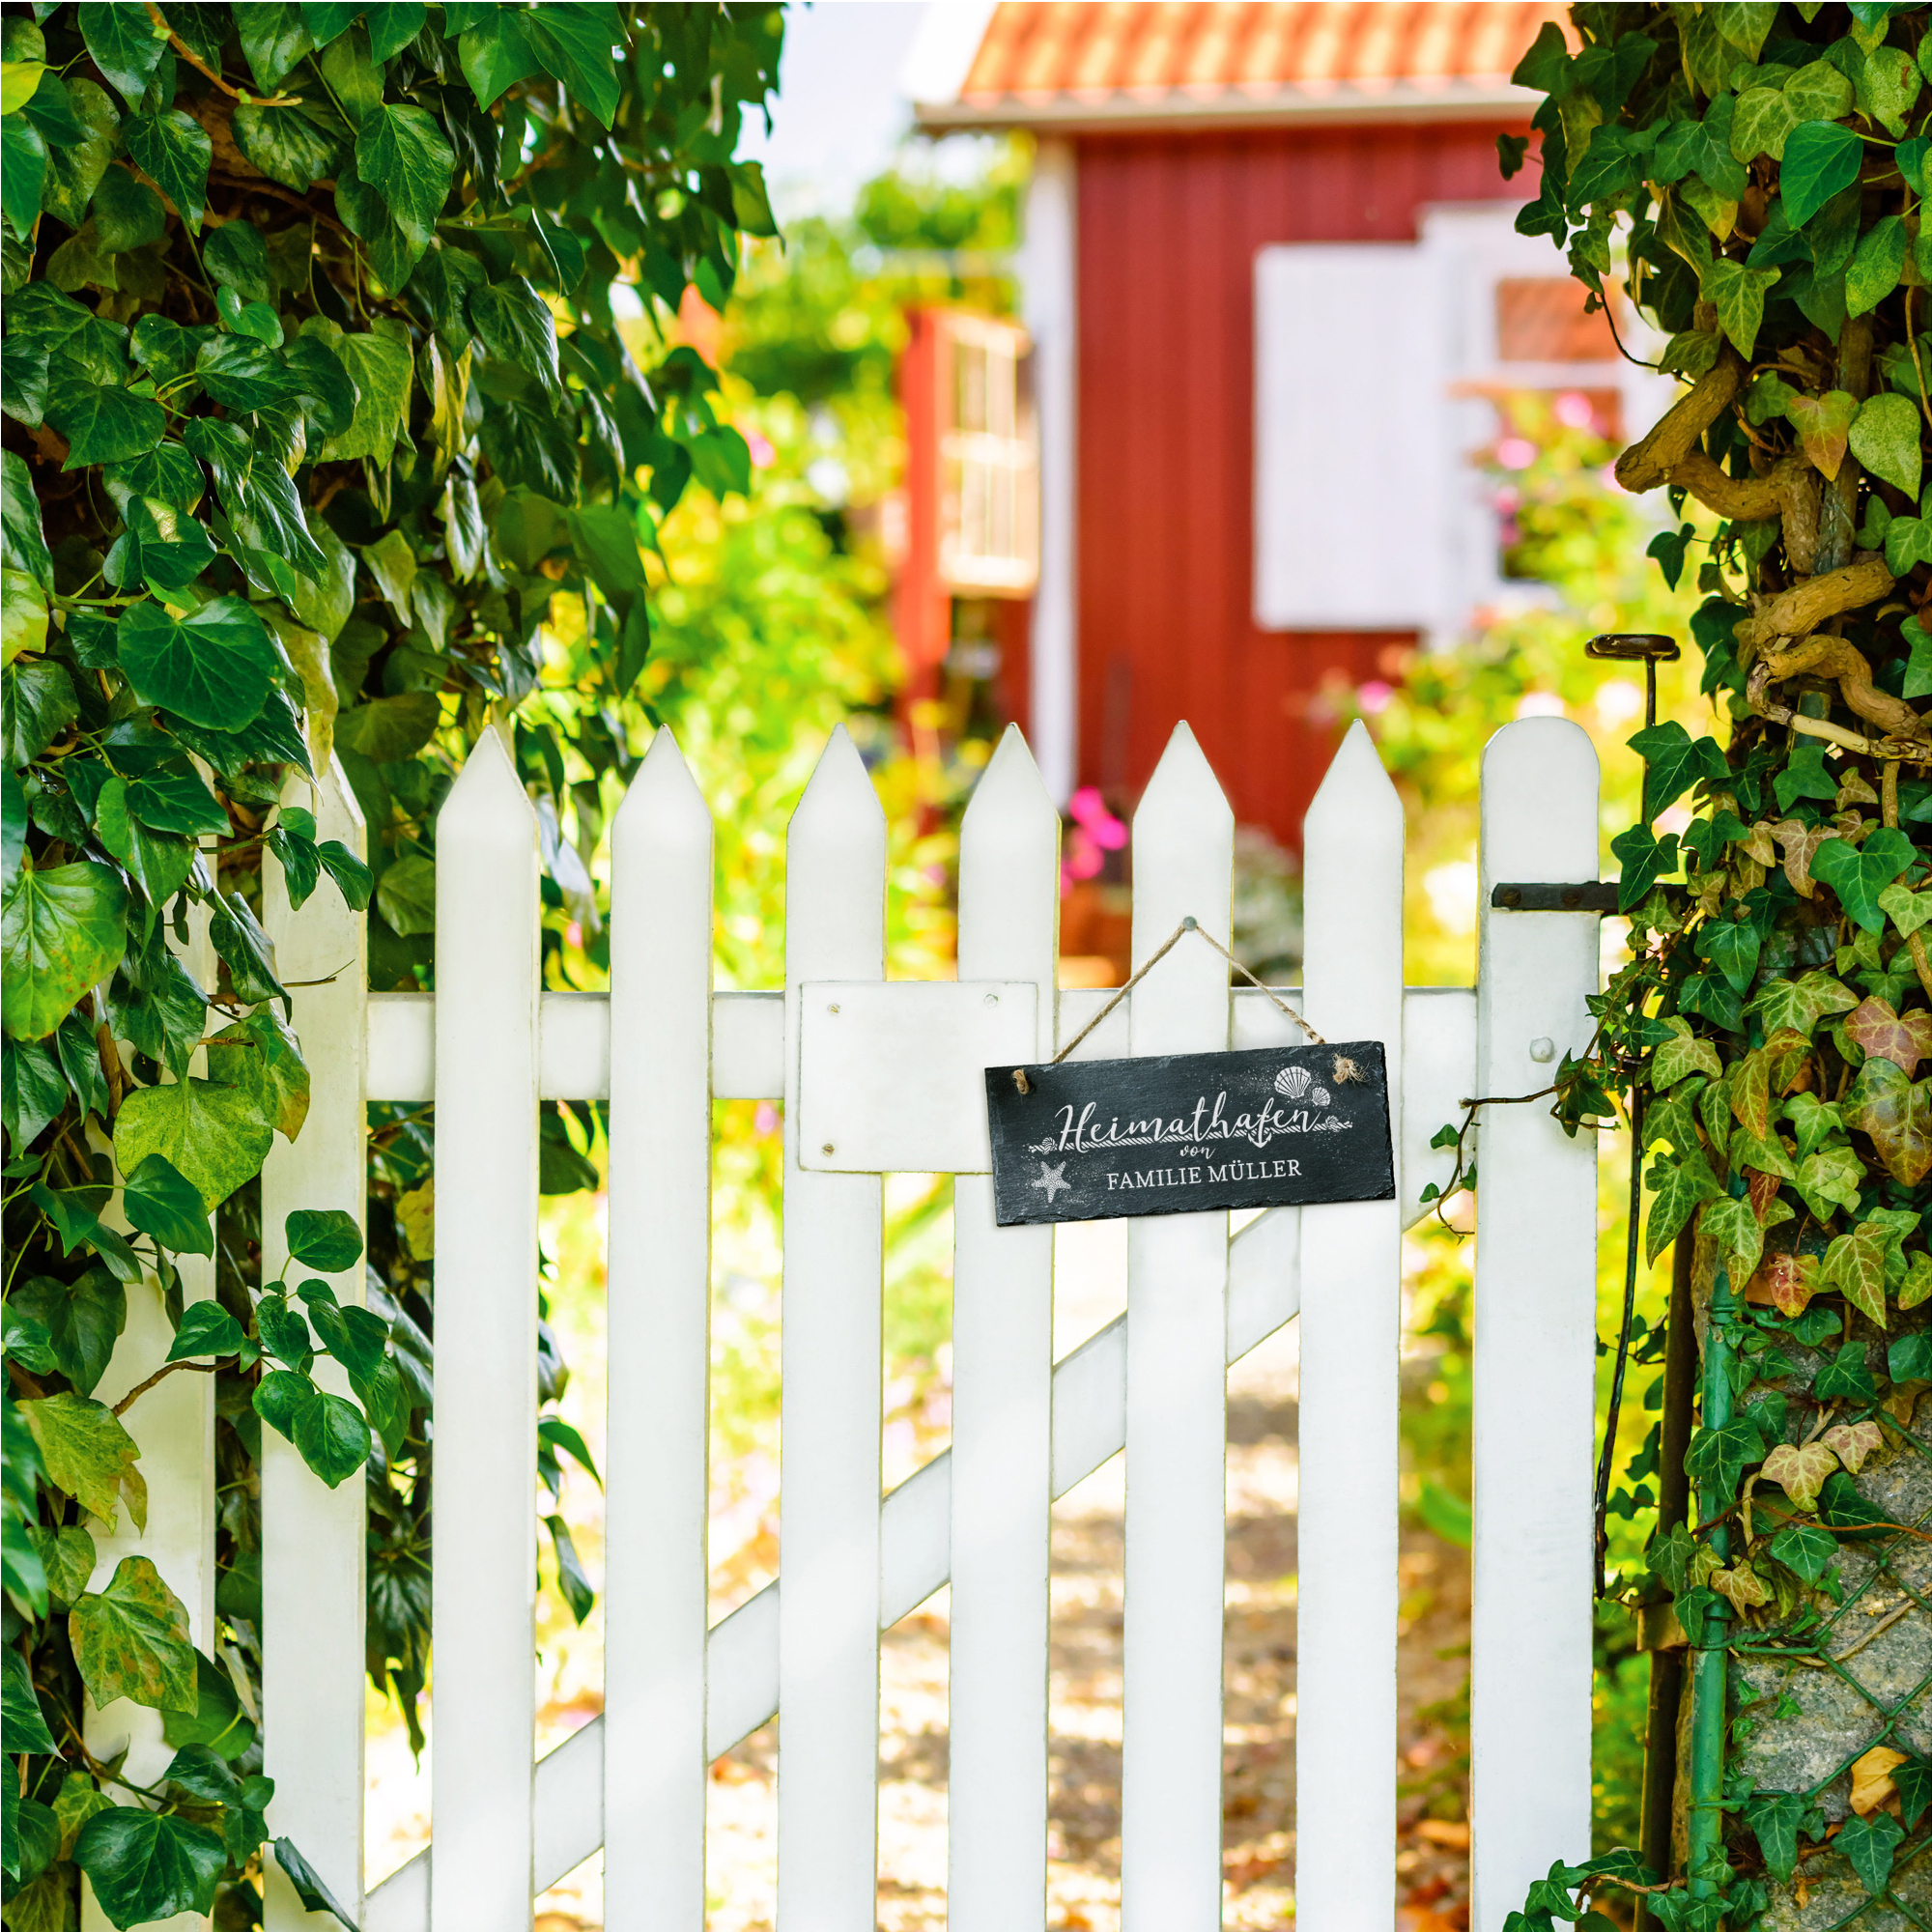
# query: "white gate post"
483, 1591
1346, 1548
314, 1610
1535, 1346
829, 1406
656, 1563
1002, 1402
1176, 1391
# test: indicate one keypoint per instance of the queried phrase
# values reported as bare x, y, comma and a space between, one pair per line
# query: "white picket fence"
880, 1076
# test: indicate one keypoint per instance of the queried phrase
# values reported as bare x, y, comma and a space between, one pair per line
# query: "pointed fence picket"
656, 1569
1183, 850
1002, 1400
830, 1402
878, 1077
483, 1591
1346, 1526
314, 1585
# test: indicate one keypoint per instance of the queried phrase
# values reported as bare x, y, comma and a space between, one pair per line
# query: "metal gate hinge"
1597, 896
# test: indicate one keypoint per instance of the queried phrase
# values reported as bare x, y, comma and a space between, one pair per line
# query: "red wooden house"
1269, 267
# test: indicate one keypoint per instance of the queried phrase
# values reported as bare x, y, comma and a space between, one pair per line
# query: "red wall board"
1168, 229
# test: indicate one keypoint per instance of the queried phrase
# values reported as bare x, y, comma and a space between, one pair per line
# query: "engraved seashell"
1292, 1081
1320, 1097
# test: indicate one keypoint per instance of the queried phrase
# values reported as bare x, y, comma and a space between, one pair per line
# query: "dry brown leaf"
1871, 1779
1452, 1833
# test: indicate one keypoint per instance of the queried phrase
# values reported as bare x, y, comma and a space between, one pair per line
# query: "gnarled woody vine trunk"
1761, 171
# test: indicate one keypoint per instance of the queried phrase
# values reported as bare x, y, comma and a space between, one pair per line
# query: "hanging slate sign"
1099, 1139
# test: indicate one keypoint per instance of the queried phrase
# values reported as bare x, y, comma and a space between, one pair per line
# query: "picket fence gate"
878, 1076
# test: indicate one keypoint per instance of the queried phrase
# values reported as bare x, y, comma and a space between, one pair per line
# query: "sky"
839, 113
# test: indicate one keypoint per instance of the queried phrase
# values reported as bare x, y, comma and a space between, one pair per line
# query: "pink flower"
1516, 452
1574, 410
1089, 810
1374, 697
763, 455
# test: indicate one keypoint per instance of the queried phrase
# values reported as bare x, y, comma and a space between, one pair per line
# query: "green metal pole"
1673, 1502
1710, 1662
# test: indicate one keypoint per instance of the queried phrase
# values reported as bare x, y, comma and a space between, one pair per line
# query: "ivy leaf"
1854, 1266
1885, 439
1896, 1113
102, 421
381, 370
159, 865
1876, 266
1820, 157
386, 730
1681, 1187
325, 1238
130, 1640
295, 146
61, 932
1870, 1844
1673, 762
515, 325
161, 1202
496, 53
574, 43
332, 1436
1732, 946
527, 444
392, 27
274, 36
243, 373
213, 668
1823, 424
1776, 1815
406, 895
88, 1454
1719, 1455
314, 1894
146, 1866
21, 1713
23, 170
83, 1318
1881, 1031
173, 151
1644, 857
1845, 1378
218, 1721
1806, 1549
1860, 873
1682, 1054
1914, 1781
216, 1136
1853, 1442
1737, 292
127, 45
207, 1328
401, 153
1802, 1004
1829, 1179
1735, 1227
263, 1058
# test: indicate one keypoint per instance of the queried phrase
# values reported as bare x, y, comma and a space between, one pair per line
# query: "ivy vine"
1756, 175
317, 413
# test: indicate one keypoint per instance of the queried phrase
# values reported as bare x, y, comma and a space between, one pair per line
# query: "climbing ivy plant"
1754, 175
317, 413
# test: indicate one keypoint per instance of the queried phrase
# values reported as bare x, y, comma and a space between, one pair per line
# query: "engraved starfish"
1054, 1180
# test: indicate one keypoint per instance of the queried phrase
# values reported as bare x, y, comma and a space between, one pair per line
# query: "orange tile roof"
1051, 62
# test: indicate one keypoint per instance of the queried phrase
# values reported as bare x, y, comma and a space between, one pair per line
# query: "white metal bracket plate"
894, 1072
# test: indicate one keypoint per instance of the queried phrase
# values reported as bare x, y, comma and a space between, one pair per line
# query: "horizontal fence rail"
880, 1076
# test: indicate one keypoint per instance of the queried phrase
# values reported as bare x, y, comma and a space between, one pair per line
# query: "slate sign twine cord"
1344, 1069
